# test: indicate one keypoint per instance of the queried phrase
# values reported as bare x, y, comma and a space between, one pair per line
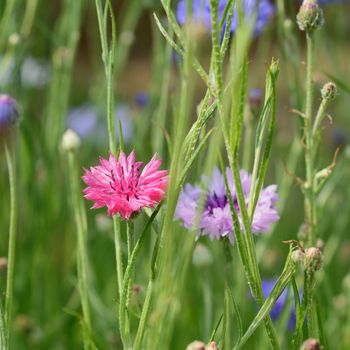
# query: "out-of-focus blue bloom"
34, 73
141, 99
9, 114
201, 13
276, 311
255, 98
85, 121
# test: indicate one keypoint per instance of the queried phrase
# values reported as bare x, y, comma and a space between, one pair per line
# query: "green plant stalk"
130, 237
317, 124
118, 254
265, 308
247, 146
310, 305
11, 164
4, 22
144, 316
29, 16
310, 205
3, 340
128, 280
254, 279
82, 258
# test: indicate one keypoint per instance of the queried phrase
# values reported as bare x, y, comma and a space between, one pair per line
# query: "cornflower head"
201, 13
215, 218
9, 114
118, 184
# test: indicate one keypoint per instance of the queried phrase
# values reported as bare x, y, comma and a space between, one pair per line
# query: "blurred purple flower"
201, 13
9, 114
84, 120
141, 99
216, 220
280, 304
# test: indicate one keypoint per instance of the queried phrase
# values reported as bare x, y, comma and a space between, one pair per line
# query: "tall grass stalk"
310, 205
11, 164
82, 256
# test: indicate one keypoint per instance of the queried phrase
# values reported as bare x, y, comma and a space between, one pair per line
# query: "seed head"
70, 141
9, 114
312, 259
310, 16
329, 91
311, 344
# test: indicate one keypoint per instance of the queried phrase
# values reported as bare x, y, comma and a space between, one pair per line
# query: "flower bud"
196, 345
9, 114
212, 346
70, 141
3, 263
329, 91
312, 259
298, 256
202, 256
311, 344
310, 16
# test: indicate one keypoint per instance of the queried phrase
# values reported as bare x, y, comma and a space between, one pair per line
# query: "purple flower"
141, 99
280, 304
201, 13
215, 220
9, 114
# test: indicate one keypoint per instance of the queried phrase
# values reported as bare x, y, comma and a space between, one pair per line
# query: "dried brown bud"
312, 259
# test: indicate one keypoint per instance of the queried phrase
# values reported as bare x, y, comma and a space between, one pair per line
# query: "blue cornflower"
201, 13
9, 114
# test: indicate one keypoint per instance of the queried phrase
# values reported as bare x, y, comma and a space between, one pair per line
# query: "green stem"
11, 164
144, 316
247, 146
118, 254
3, 342
82, 259
309, 306
310, 208
130, 237
316, 127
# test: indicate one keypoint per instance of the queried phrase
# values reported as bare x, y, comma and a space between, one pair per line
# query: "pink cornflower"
118, 184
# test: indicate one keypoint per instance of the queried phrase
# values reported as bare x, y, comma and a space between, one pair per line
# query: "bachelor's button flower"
215, 219
201, 13
118, 184
9, 114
